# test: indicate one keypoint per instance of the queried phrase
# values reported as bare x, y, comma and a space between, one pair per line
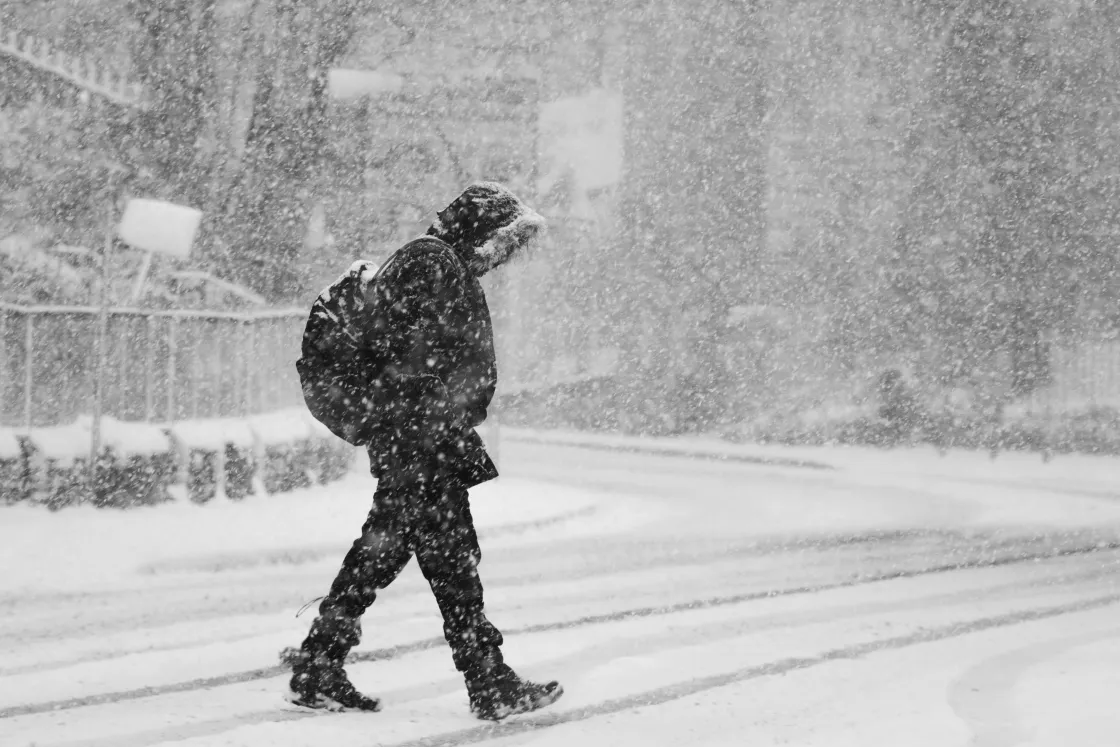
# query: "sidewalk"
692, 447
83, 548
1092, 475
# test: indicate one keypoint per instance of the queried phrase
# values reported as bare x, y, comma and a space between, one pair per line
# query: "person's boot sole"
323, 703
526, 707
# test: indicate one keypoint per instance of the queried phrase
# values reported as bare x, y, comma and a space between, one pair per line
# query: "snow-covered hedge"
135, 464
331, 456
13, 468
216, 457
297, 451
1084, 430
139, 462
284, 440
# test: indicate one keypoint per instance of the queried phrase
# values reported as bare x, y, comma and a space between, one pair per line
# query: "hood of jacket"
487, 225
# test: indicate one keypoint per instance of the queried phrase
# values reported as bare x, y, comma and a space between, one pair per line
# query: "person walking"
400, 359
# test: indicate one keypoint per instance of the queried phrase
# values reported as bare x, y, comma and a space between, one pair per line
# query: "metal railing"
167, 366
162, 366
83, 74
1084, 374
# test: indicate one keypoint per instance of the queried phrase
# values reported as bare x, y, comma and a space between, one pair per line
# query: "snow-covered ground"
862, 597
85, 549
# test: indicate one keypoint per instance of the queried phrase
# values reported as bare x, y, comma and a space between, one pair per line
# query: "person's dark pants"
429, 518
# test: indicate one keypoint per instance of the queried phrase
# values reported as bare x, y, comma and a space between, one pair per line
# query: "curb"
654, 450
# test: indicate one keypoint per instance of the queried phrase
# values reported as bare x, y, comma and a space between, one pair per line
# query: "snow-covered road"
877, 598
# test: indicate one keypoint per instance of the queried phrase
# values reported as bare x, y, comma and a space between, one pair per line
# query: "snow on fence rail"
84, 74
163, 366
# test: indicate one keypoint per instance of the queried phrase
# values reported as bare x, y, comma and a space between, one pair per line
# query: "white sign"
158, 226
581, 142
352, 84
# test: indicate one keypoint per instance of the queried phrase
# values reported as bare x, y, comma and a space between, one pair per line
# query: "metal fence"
162, 366
1083, 374
167, 366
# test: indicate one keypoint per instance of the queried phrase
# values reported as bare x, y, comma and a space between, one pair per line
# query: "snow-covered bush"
1023, 429
138, 461
217, 455
240, 471
135, 464
13, 468
58, 464
285, 450
331, 456
1096, 431
284, 443
1089, 430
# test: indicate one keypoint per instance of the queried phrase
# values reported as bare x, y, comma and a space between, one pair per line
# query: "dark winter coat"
420, 334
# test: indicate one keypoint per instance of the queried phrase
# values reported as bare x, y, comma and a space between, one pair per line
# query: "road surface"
687, 601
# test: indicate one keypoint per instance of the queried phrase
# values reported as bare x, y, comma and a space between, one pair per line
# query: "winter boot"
321, 683
318, 678
500, 693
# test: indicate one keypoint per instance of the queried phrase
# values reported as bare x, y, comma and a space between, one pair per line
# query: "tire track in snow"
655, 697
912, 541
242, 561
185, 607
982, 697
677, 691
214, 566
588, 620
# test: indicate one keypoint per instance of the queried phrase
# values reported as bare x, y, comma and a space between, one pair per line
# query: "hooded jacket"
420, 332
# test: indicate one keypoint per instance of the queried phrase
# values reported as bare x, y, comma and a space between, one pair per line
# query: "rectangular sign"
158, 226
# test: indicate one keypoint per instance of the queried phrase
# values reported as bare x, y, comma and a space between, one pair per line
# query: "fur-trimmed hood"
487, 225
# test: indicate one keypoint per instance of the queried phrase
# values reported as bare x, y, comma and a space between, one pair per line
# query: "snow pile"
63, 445
132, 439
66, 444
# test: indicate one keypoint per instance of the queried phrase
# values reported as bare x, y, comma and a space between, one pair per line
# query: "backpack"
336, 371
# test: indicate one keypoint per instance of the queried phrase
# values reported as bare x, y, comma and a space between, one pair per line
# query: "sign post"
153, 226
101, 341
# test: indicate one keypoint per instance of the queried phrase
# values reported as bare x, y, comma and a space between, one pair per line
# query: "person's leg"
448, 553
375, 559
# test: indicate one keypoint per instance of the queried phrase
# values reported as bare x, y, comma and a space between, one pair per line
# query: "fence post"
1113, 371
172, 326
125, 325
258, 356
253, 343
1094, 366
196, 367
4, 360
273, 368
149, 378
244, 357
28, 361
